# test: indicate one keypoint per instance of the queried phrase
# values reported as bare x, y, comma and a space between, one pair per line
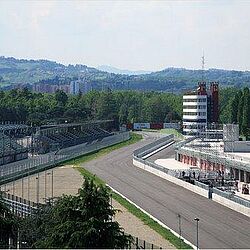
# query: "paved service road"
219, 227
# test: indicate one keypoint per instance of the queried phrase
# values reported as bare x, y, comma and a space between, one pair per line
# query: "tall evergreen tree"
8, 225
240, 110
246, 112
82, 221
234, 107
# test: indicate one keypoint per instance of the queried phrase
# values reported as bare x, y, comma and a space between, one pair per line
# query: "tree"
240, 111
246, 112
8, 225
82, 221
234, 107
123, 114
61, 97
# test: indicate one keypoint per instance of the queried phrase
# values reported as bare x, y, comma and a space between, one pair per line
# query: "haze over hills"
20, 71
114, 70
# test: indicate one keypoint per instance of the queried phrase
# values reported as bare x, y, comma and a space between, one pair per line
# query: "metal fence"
138, 243
38, 163
18, 205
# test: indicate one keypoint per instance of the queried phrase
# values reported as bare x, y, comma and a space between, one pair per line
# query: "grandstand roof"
13, 126
63, 125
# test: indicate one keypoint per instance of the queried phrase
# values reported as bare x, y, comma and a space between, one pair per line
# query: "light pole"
37, 189
28, 187
13, 191
45, 184
22, 186
52, 186
197, 232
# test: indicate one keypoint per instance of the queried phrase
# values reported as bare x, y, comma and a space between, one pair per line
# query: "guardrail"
182, 143
147, 149
39, 163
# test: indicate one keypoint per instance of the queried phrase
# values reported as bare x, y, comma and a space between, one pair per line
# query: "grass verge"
166, 131
165, 233
172, 131
93, 155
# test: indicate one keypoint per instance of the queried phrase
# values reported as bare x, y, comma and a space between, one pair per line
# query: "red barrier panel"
156, 125
129, 126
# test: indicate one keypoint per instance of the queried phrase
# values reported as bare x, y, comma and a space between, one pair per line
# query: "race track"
219, 227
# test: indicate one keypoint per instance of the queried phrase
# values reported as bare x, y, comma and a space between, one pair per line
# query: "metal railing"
201, 185
38, 163
18, 205
138, 243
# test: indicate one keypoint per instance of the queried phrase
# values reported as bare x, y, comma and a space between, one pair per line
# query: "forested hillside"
176, 80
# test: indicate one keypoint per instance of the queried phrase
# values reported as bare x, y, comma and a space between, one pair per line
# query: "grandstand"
11, 149
18, 141
53, 137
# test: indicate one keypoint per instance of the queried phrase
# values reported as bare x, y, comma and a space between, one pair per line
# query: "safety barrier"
39, 163
147, 149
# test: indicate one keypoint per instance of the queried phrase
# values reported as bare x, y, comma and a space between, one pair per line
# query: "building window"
194, 106
195, 113
190, 113
195, 100
190, 107
196, 120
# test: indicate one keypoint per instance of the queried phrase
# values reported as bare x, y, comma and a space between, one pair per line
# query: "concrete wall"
237, 146
198, 190
231, 204
230, 132
172, 179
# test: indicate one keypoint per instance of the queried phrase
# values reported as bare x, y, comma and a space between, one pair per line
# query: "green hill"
14, 71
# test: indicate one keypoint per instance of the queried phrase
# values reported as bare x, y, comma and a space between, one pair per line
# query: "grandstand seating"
57, 139
10, 150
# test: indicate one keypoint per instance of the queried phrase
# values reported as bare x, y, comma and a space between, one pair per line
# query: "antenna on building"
203, 66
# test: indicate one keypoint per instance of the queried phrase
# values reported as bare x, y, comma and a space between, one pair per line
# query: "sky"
135, 35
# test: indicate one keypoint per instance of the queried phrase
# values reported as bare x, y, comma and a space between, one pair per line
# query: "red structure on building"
214, 106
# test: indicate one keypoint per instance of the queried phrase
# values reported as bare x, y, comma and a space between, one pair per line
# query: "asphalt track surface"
219, 226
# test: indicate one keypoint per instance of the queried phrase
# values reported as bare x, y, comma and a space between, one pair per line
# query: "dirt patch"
67, 180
